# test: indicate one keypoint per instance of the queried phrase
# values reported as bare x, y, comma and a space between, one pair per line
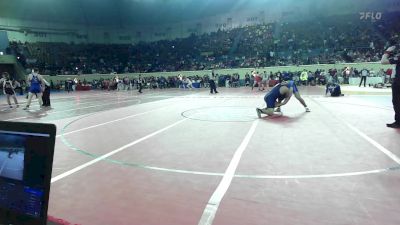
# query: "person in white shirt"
347, 74
8, 89
74, 83
188, 81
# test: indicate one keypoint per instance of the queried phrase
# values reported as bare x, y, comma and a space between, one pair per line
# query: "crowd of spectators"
230, 80
301, 77
327, 40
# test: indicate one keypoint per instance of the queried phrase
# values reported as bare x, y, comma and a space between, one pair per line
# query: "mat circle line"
192, 172
184, 114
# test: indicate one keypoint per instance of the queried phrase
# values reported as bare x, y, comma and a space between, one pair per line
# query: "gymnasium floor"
175, 157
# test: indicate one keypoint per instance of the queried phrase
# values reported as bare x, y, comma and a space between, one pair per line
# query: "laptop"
26, 160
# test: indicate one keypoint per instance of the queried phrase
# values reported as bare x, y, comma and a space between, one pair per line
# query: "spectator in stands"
311, 78
189, 83
333, 76
346, 75
247, 80
235, 80
293, 46
74, 84
304, 77
388, 75
322, 78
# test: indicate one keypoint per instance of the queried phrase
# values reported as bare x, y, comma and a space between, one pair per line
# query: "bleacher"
329, 40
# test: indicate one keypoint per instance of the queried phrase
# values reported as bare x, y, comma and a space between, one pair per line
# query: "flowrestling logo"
373, 16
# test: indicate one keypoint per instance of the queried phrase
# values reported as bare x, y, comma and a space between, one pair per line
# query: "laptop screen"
26, 157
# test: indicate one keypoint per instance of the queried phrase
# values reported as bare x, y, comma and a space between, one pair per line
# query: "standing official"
364, 74
389, 58
213, 86
140, 83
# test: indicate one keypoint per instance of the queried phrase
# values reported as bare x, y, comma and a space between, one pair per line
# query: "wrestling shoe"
278, 109
26, 107
307, 109
393, 125
258, 112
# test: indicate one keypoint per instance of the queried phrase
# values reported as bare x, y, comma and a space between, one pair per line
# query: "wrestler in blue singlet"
271, 97
292, 84
35, 85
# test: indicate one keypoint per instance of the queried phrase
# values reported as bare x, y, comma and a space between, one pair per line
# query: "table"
83, 88
196, 85
370, 80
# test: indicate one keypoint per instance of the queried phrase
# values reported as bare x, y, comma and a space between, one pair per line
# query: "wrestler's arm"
289, 95
28, 80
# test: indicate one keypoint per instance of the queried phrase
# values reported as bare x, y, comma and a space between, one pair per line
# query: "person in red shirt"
257, 81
